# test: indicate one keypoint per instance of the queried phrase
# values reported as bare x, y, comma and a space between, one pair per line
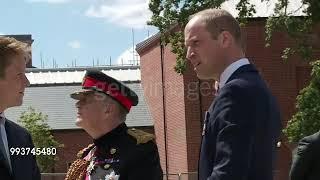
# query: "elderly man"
13, 81
117, 152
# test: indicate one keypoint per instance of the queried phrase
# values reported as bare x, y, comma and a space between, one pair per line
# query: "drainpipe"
164, 107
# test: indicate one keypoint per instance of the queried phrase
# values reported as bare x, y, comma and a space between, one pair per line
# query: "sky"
70, 32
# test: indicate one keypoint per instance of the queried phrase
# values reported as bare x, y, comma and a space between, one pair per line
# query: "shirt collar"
230, 70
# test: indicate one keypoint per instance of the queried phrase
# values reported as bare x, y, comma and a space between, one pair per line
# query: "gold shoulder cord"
77, 170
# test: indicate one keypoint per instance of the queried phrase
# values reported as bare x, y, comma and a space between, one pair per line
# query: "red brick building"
178, 102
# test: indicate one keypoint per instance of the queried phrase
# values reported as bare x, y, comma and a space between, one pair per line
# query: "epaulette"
141, 136
85, 151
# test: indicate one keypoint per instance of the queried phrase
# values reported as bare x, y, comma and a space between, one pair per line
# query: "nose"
26, 81
190, 53
78, 104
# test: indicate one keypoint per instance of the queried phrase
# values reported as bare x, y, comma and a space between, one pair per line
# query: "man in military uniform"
117, 153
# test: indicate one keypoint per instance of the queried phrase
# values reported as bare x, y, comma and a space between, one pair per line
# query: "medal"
113, 151
106, 166
91, 168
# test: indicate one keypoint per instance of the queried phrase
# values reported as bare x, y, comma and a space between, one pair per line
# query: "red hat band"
89, 82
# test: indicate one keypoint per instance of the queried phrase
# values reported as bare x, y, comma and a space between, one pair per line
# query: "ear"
225, 39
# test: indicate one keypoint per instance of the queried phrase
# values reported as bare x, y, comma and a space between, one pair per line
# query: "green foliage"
167, 14
296, 27
36, 124
306, 121
245, 10
171, 16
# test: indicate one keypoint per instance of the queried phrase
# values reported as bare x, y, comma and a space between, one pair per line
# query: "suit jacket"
23, 167
306, 161
241, 129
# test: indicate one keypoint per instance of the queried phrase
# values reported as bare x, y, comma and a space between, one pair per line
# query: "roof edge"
76, 84
124, 67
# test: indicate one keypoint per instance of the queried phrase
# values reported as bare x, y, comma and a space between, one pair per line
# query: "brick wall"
74, 141
152, 86
172, 110
175, 116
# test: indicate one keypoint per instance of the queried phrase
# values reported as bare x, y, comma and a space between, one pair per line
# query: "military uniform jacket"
122, 154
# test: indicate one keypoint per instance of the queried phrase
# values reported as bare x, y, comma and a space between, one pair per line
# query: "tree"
306, 120
167, 14
36, 124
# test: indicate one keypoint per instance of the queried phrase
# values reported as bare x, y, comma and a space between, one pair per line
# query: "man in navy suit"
12, 84
242, 125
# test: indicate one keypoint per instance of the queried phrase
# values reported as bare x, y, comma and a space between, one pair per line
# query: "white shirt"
4, 136
230, 70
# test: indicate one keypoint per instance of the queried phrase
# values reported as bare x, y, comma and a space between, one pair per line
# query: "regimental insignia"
141, 136
91, 168
113, 151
